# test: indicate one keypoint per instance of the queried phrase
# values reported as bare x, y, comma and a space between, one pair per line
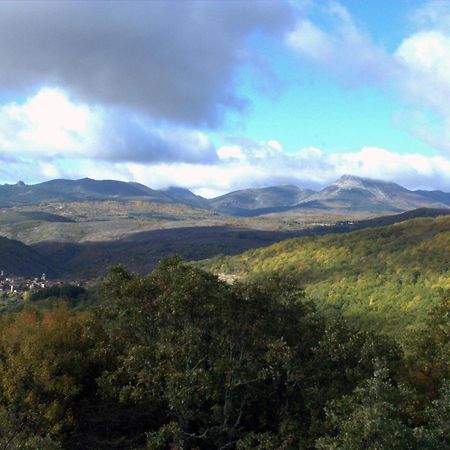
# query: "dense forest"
385, 278
179, 359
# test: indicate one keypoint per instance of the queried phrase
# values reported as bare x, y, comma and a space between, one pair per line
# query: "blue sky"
314, 109
222, 95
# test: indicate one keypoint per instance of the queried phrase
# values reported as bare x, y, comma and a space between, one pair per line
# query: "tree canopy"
179, 359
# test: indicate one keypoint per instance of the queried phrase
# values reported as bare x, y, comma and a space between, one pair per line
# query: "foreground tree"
224, 366
379, 415
213, 359
373, 417
46, 367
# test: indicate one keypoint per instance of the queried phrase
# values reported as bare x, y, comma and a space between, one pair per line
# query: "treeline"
71, 293
385, 278
180, 360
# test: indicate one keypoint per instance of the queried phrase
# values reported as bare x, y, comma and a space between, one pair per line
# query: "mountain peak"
353, 178
353, 181
177, 189
347, 176
183, 195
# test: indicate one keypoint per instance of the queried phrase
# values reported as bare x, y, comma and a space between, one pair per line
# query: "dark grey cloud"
130, 138
174, 60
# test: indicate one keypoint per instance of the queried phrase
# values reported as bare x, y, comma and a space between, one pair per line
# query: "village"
17, 286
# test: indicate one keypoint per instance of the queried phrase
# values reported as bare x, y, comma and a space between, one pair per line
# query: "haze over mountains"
348, 194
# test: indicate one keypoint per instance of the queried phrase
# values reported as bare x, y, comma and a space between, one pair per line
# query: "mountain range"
348, 194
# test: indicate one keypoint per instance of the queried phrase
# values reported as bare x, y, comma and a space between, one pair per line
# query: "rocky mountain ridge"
348, 193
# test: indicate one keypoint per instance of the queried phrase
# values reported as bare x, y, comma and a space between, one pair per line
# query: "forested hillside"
140, 252
181, 360
19, 259
386, 277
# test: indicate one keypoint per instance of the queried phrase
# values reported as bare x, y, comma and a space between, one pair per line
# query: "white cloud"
310, 40
426, 60
343, 48
230, 151
275, 145
433, 14
174, 62
425, 83
46, 124
309, 167
50, 125
50, 135
49, 170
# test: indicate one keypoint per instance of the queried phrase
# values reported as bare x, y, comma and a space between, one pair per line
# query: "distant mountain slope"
314, 255
186, 197
435, 196
355, 194
251, 202
395, 218
387, 277
70, 190
348, 194
19, 259
140, 252
9, 216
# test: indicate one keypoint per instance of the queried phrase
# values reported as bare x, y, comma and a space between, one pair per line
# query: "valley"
78, 228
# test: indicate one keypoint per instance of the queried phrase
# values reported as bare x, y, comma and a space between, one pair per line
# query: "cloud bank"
173, 60
49, 125
253, 165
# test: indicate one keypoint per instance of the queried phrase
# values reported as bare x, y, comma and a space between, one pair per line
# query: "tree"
373, 417
213, 361
46, 367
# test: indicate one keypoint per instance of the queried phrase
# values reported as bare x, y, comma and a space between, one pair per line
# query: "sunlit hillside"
394, 272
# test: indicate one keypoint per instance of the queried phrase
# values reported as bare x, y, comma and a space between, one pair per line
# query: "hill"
186, 197
141, 251
254, 202
394, 272
435, 196
349, 194
71, 190
19, 259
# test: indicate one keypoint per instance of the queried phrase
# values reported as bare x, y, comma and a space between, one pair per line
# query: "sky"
219, 95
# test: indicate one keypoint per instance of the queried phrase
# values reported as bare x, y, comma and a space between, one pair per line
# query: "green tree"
373, 417
213, 361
